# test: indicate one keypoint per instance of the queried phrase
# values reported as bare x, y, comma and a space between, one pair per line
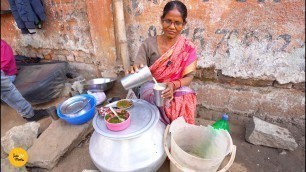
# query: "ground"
248, 158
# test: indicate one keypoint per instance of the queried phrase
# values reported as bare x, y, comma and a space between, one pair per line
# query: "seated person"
9, 93
172, 60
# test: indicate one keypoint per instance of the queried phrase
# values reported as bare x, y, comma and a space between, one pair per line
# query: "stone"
283, 152
246, 100
7, 166
66, 91
3, 154
60, 137
20, 136
90, 170
70, 57
259, 132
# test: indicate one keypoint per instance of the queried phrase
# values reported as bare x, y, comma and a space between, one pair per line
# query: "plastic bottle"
222, 123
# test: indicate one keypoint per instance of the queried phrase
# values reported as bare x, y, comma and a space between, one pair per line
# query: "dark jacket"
27, 13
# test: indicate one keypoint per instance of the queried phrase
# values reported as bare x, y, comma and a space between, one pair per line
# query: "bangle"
173, 84
180, 83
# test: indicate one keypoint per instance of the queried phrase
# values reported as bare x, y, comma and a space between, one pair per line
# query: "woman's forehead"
174, 14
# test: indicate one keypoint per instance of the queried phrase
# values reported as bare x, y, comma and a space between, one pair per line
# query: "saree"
174, 64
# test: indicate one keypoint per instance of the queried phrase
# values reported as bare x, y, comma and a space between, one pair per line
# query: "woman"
172, 60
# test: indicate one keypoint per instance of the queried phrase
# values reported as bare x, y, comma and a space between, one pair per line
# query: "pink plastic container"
118, 126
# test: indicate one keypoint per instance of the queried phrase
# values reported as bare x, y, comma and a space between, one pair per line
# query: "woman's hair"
179, 6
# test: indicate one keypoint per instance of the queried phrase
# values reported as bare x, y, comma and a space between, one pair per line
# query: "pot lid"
143, 117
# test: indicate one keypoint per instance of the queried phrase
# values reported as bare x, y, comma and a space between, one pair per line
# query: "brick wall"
251, 53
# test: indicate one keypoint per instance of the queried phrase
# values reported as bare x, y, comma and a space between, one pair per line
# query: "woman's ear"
161, 20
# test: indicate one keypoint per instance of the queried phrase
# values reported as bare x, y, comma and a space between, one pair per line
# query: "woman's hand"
134, 68
168, 92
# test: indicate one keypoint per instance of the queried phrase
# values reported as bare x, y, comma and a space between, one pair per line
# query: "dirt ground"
249, 157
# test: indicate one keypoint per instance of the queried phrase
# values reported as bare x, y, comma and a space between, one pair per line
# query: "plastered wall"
251, 53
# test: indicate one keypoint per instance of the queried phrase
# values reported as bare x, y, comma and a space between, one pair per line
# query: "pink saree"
178, 61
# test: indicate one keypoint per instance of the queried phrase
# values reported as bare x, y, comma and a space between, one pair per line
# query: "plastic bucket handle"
166, 147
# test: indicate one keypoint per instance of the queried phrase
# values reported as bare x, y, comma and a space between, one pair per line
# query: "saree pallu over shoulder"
182, 57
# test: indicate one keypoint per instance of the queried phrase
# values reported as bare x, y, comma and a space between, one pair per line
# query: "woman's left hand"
168, 92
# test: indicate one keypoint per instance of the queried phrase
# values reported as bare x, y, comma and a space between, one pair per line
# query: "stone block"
209, 73
3, 154
246, 100
59, 138
278, 85
61, 58
70, 58
212, 96
79, 59
259, 132
20, 136
6, 166
47, 57
299, 86
88, 60
239, 81
207, 113
199, 73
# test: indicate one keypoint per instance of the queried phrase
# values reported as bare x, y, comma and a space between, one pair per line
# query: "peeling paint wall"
247, 39
258, 44
251, 53
75, 31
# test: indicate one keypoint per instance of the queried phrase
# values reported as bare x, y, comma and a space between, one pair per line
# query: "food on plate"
112, 118
124, 104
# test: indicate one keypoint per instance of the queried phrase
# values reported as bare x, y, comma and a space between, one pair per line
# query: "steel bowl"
77, 109
101, 84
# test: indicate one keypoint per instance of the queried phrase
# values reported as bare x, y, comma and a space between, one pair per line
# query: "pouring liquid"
157, 86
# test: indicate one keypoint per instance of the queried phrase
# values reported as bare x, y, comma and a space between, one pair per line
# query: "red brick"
280, 103
244, 101
47, 57
79, 59
212, 95
70, 58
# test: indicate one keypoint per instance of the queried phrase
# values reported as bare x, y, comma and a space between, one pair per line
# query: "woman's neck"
168, 41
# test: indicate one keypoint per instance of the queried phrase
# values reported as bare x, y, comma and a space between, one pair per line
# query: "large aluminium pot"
137, 148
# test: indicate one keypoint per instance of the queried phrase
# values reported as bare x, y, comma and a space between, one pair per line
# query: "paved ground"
249, 157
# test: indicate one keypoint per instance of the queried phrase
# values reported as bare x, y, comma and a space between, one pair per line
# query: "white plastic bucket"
188, 136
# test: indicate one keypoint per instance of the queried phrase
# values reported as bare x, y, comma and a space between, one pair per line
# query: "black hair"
179, 6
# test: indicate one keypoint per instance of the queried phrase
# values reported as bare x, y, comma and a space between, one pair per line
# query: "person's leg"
11, 96
12, 78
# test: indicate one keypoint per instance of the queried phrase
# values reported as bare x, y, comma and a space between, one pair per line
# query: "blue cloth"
27, 13
11, 96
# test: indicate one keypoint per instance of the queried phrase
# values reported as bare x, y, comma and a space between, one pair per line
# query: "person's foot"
41, 113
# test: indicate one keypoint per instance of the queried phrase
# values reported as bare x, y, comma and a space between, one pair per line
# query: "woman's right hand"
133, 69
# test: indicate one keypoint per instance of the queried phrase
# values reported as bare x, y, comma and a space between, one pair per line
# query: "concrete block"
20, 136
59, 138
6, 166
259, 132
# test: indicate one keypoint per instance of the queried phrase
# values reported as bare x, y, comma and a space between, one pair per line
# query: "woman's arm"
139, 61
185, 81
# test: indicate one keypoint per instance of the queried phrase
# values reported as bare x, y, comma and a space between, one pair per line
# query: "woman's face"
172, 24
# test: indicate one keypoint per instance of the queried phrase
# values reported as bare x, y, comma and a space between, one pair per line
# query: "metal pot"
101, 84
137, 148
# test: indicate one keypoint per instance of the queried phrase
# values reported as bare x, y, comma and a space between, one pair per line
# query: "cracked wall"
78, 31
258, 44
253, 50
245, 39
